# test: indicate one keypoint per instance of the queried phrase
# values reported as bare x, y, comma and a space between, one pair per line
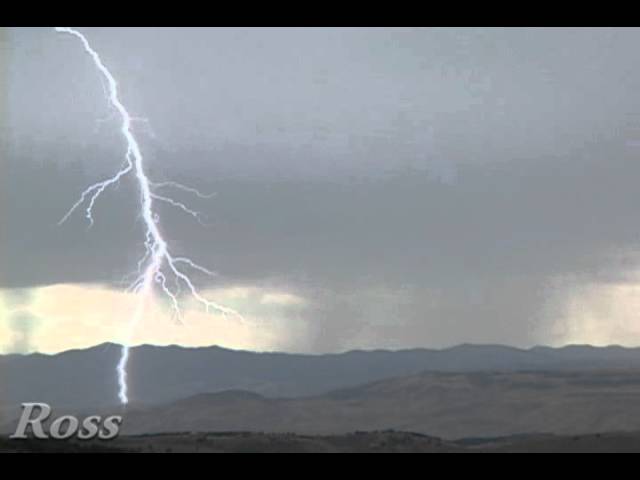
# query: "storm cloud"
416, 187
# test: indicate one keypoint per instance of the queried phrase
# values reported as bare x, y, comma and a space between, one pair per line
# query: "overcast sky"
375, 188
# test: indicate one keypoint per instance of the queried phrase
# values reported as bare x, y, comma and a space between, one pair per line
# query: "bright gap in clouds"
60, 317
66, 316
598, 314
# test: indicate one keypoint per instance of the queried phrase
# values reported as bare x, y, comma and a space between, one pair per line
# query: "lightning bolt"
157, 262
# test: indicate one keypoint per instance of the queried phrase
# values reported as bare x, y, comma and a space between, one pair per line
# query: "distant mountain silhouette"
159, 375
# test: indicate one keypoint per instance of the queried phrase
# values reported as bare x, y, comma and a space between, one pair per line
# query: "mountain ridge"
106, 345
161, 374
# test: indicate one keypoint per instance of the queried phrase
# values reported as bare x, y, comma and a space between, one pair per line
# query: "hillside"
446, 405
158, 375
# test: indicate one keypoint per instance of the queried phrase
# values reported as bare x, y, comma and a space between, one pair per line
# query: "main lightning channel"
157, 260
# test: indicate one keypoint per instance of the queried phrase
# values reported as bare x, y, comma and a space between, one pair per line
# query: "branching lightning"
157, 262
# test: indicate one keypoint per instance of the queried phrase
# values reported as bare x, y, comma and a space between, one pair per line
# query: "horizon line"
107, 345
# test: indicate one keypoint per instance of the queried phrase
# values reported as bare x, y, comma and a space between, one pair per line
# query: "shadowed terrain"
358, 442
447, 405
159, 375
464, 392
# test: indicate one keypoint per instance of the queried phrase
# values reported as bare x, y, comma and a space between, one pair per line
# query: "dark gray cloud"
419, 187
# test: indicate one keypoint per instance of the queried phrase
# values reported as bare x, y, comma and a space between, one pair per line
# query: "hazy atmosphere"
374, 188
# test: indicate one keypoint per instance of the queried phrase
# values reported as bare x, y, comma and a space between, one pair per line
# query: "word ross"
66, 426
